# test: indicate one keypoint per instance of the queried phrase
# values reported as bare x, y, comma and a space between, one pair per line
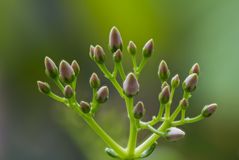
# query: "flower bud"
132, 48
174, 134
85, 107
184, 103
131, 85
164, 84
91, 52
163, 71
148, 48
102, 94
195, 69
115, 40
68, 91
43, 87
164, 95
94, 81
50, 68
175, 81
117, 57
67, 74
75, 66
139, 110
190, 83
99, 54
208, 110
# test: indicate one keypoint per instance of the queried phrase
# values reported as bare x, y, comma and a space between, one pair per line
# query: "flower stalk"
65, 77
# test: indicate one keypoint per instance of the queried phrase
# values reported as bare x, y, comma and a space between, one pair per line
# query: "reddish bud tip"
163, 71
164, 95
99, 54
43, 87
115, 40
50, 68
195, 69
67, 74
184, 103
102, 94
175, 81
190, 83
117, 57
148, 48
75, 66
68, 91
94, 81
132, 48
91, 52
139, 110
131, 85
164, 84
208, 110
85, 107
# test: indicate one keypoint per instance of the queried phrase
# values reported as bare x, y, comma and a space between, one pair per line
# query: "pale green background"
33, 127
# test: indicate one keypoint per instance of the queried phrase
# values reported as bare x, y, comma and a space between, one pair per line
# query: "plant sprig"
65, 77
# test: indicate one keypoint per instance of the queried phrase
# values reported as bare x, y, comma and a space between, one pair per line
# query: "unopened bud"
117, 57
148, 48
99, 54
91, 52
131, 85
132, 48
163, 71
75, 66
174, 134
85, 107
184, 103
102, 94
67, 74
139, 110
50, 68
195, 69
43, 87
175, 81
68, 91
94, 81
164, 95
164, 84
115, 40
190, 83
208, 110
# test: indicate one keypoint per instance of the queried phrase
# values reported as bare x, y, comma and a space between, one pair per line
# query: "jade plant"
65, 77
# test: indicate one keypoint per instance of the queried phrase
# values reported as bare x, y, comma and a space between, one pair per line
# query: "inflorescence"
65, 77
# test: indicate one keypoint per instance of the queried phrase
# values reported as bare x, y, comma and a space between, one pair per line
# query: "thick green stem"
133, 128
98, 130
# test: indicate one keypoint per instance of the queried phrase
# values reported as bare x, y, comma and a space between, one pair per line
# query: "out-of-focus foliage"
184, 32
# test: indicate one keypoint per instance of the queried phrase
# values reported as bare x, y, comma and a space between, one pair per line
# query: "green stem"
121, 70
113, 80
59, 84
150, 141
101, 133
56, 97
133, 128
134, 64
188, 120
141, 66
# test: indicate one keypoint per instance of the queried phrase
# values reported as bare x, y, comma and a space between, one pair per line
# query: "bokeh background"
34, 127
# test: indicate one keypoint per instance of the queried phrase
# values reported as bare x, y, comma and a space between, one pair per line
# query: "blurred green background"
34, 127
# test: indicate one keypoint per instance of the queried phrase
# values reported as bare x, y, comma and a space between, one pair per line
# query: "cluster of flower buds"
65, 77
